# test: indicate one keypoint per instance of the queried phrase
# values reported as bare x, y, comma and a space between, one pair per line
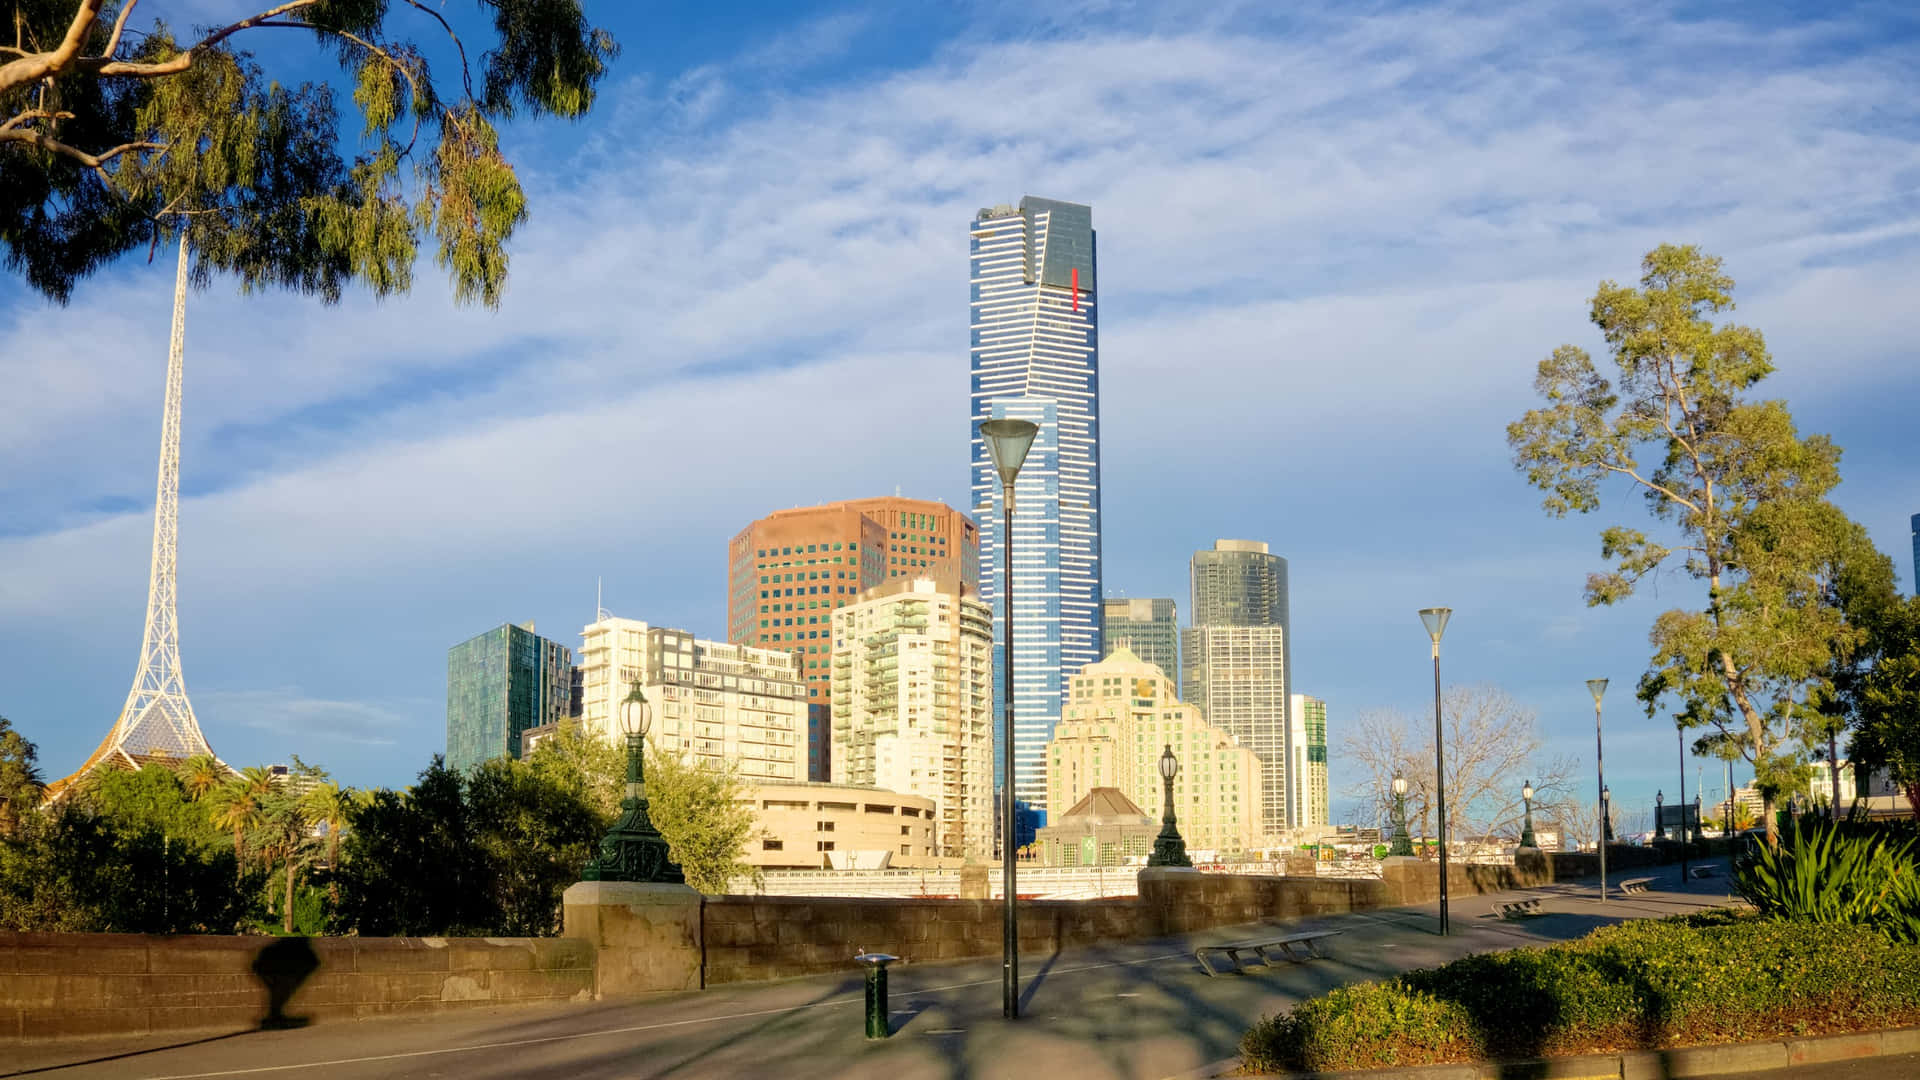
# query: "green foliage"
1742, 496
21, 786
592, 768
1647, 984
1837, 874
487, 854
1884, 699
73, 869
699, 809
135, 139
152, 798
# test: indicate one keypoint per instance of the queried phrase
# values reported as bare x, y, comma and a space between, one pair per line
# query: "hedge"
1711, 978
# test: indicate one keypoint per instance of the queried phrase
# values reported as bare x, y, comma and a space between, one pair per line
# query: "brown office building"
788, 571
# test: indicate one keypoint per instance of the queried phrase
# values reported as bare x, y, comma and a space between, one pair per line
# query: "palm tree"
200, 774
286, 835
238, 804
329, 805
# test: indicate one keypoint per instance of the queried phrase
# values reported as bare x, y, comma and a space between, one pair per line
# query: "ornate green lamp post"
1402, 844
1526, 819
1698, 836
1168, 848
1659, 823
1435, 620
633, 850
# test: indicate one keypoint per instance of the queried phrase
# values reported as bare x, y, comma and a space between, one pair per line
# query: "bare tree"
1493, 746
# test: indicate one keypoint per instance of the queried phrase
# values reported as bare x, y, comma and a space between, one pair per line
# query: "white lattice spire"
157, 720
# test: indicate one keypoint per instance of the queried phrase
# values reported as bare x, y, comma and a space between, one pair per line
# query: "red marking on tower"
1076, 288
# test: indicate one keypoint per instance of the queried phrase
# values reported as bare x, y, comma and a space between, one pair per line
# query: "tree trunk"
239, 858
1913, 799
289, 904
1833, 767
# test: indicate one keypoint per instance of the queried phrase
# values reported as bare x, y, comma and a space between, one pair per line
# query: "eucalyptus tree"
1740, 495
117, 134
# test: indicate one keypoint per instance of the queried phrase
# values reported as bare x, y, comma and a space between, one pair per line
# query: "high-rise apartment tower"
1237, 657
1035, 341
789, 571
1148, 627
1307, 768
499, 684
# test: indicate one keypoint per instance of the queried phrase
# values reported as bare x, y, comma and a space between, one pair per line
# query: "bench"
1294, 947
1515, 909
1702, 871
1636, 885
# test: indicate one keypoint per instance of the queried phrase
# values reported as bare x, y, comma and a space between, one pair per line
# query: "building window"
826, 826
823, 845
773, 845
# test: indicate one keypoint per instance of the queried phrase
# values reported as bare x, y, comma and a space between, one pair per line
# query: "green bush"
1844, 874
1696, 979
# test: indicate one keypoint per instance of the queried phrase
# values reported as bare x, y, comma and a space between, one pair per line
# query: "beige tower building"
913, 703
711, 701
1120, 713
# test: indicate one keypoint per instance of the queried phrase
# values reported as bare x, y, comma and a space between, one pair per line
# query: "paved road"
1136, 1010
1904, 1067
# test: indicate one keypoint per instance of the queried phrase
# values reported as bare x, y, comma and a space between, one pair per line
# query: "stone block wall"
54, 985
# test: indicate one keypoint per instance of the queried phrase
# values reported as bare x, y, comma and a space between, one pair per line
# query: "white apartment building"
913, 704
710, 700
1121, 714
1307, 804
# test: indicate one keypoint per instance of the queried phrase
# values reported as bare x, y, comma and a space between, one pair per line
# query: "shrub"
1823, 872
1694, 979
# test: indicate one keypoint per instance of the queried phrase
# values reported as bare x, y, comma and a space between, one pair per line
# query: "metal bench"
1636, 885
1296, 948
1516, 909
1702, 871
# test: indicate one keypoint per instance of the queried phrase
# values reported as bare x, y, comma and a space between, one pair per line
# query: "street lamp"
1007, 443
1698, 836
1659, 824
1168, 848
1435, 619
1598, 687
1526, 819
633, 850
1606, 814
1402, 843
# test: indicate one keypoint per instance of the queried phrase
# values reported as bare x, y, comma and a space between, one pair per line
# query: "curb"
1678, 1063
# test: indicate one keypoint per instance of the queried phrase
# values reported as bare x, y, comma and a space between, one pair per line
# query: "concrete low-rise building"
841, 827
1104, 828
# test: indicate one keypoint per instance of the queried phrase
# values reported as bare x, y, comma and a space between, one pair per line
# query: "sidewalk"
1135, 1010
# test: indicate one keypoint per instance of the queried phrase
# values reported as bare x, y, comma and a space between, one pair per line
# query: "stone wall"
95, 984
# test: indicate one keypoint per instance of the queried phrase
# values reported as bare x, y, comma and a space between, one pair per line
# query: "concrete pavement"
1134, 1010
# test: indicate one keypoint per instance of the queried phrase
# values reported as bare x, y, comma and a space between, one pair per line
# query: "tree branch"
96, 162
52, 62
466, 75
106, 67
119, 24
34, 114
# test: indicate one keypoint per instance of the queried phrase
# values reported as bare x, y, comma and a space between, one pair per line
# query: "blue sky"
1333, 247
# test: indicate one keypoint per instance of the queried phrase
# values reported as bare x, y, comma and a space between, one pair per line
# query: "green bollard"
876, 992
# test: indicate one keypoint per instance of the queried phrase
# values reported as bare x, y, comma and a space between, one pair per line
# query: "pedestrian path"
1134, 1010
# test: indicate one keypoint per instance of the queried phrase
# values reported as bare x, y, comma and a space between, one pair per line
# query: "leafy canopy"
113, 139
1742, 496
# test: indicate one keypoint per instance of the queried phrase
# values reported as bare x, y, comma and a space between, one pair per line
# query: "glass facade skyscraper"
499, 684
1035, 341
1238, 659
1149, 627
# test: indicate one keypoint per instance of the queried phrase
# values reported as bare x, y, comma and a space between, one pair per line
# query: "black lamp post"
1606, 820
1659, 823
1402, 843
1698, 836
1598, 687
633, 850
1435, 619
1007, 443
1526, 818
1168, 848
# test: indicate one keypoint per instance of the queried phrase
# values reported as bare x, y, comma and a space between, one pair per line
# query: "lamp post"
1683, 807
1598, 687
1659, 826
1007, 443
1698, 836
633, 850
1402, 844
1526, 819
1435, 619
1168, 848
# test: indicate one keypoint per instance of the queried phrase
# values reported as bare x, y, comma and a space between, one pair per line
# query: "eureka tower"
1036, 356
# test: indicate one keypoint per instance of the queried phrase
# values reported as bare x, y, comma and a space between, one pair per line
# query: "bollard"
876, 992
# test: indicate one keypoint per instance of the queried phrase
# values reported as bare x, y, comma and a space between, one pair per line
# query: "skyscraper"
1308, 767
499, 684
1149, 627
1035, 343
1238, 659
789, 571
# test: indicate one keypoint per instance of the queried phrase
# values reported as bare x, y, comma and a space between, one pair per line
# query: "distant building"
499, 684
1104, 828
789, 571
710, 701
839, 826
1121, 715
1307, 769
1149, 627
1238, 660
912, 703
1034, 354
